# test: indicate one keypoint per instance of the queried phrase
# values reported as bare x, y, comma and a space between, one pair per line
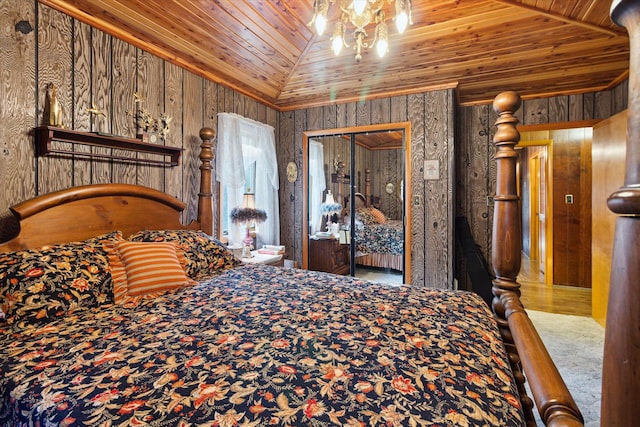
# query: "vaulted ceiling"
266, 50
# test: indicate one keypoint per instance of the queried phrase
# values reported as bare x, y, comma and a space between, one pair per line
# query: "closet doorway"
356, 211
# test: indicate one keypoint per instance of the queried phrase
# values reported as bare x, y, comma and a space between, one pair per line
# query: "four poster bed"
117, 314
379, 240
91, 339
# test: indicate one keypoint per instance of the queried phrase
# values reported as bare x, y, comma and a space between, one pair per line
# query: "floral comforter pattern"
257, 346
385, 238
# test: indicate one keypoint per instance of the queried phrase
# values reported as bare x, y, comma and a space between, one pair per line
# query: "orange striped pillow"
146, 269
378, 215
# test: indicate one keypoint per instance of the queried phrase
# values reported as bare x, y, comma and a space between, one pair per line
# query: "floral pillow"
205, 255
39, 285
365, 215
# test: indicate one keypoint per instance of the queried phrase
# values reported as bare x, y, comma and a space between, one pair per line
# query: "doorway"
556, 265
536, 190
356, 213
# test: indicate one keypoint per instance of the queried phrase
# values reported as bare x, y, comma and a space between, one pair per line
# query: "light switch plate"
432, 169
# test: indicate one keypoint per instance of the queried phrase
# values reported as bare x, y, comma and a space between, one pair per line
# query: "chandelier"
360, 13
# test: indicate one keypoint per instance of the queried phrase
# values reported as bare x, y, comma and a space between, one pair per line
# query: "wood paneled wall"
475, 169
609, 148
431, 115
89, 68
386, 168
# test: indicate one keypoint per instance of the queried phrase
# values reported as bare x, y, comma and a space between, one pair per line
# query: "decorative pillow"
146, 269
39, 285
378, 215
205, 255
365, 215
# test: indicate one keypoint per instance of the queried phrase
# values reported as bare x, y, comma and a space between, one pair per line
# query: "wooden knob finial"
207, 133
506, 102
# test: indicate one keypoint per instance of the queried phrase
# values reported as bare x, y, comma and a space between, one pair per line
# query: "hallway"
536, 295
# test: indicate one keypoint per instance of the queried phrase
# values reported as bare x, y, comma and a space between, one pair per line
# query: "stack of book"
271, 250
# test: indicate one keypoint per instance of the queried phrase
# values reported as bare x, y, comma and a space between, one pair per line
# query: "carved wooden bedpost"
553, 401
205, 195
367, 187
507, 228
621, 365
340, 181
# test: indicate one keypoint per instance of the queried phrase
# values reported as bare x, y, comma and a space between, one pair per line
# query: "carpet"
575, 343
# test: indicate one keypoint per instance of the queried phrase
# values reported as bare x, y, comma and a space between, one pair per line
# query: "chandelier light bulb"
321, 24
381, 47
402, 20
336, 44
359, 6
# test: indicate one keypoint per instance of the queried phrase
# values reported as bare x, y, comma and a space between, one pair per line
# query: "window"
246, 161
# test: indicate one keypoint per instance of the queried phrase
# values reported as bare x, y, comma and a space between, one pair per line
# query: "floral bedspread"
259, 345
385, 238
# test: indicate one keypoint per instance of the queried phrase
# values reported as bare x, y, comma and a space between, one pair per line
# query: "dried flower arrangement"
146, 122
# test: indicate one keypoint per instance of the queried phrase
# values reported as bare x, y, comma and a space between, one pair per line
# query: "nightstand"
275, 260
329, 255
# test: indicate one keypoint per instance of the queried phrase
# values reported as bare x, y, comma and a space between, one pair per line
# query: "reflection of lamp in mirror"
330, 210
248, 216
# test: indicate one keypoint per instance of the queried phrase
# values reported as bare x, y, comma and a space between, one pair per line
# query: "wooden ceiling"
266, 50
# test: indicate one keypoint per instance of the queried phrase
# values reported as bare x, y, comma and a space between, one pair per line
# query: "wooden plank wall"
89, 68
609, 155
475, 166
431, 115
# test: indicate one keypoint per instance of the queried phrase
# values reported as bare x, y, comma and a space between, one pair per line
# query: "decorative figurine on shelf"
148, 128
248, 215
52, 108
96, 111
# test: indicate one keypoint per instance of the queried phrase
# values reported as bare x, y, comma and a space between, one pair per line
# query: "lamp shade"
330, 207
329, 199
249, 201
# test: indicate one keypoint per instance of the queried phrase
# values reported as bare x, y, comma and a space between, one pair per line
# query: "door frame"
534, 193
548, 233
406, 205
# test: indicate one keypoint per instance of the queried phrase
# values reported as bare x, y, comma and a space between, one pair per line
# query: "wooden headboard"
78, 213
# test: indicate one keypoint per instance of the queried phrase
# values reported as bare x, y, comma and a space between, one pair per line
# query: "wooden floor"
536, 295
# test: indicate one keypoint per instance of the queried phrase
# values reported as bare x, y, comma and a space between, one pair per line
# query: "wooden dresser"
328, 255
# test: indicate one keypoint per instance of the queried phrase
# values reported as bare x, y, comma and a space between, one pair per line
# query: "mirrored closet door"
356, 210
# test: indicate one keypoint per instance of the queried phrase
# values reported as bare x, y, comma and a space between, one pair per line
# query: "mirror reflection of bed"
368, 240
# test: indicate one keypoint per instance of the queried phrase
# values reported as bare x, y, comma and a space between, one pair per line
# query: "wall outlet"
416, 201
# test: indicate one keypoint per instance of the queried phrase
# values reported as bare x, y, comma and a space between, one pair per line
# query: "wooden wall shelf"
44, 135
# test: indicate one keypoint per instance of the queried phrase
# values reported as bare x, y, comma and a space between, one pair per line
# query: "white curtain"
317, 184
241, 142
